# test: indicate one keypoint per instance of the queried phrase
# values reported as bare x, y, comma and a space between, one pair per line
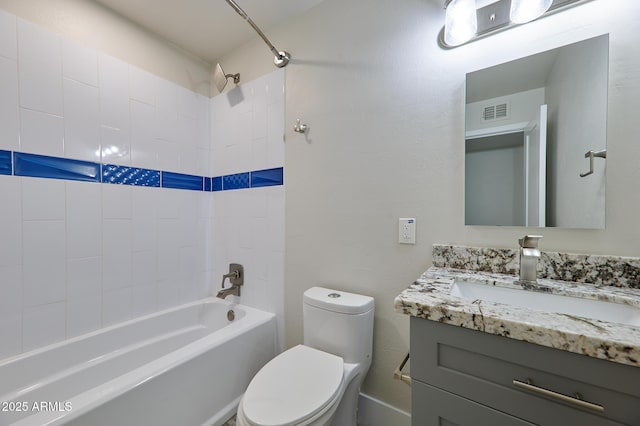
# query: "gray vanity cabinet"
464, 377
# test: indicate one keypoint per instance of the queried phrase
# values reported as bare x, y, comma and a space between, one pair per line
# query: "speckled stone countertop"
429, 297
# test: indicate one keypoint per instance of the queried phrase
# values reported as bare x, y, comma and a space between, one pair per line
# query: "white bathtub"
184, 366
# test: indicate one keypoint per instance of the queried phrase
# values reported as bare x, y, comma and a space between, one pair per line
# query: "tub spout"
233, 290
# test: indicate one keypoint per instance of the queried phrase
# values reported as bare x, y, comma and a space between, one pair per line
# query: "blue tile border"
124, 175
216, 183
235, 181
6, 165
44, 166
182, 181
269, 177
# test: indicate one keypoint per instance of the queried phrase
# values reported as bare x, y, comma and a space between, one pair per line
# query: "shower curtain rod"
281, 57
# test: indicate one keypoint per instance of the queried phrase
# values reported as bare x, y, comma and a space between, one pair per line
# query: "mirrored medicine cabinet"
535, 139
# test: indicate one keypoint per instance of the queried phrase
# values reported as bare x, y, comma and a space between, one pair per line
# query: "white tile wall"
40, 68
34, 334
8, 41
44, 265
248, 225
43, 199
84, 295
11, 222
77, 256
41, 133
81, 121
9, 123
79, 63
84, 220
10, 311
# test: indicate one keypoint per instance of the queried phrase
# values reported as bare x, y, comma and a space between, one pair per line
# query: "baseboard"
372, 412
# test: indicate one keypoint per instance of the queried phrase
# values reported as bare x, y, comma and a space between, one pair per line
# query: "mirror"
530, 126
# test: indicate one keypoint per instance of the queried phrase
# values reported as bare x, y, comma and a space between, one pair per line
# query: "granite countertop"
429, 298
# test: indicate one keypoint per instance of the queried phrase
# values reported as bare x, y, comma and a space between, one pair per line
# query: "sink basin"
547, 302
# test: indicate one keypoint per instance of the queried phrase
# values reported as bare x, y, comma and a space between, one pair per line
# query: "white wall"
385, 106
578, 202
247, 134
524, 108
97, 27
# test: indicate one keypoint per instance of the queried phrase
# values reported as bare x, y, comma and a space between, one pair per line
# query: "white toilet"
316, 383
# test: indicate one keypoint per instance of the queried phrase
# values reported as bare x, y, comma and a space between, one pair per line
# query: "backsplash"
584, 268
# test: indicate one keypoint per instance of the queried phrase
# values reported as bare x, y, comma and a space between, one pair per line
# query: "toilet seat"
297, 385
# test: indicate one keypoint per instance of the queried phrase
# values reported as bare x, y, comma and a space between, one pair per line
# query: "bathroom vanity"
484, 361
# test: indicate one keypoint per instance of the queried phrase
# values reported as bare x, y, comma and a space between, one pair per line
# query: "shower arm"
281, 57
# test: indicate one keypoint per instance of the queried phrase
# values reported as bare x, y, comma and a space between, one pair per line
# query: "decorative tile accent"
269, 177
124, 175
43, 166
236, 181
5, 162
216, 183
182, 181
583, 268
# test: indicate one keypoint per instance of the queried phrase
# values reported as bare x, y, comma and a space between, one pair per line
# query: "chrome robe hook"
591, 155
300, 128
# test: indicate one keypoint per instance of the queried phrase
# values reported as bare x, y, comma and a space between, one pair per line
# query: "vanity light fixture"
523, 11
461, 22
464, 23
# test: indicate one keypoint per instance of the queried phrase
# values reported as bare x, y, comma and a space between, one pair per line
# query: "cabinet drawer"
483, 367
435, 407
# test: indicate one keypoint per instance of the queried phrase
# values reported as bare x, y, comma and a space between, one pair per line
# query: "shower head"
220, 78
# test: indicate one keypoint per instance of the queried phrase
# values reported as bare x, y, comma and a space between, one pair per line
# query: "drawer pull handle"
571, 400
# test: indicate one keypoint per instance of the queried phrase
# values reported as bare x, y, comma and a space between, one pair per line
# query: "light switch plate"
407, 230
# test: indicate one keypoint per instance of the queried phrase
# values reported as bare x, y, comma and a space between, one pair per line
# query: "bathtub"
187, 365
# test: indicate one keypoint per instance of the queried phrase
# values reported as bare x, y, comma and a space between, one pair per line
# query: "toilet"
318, 382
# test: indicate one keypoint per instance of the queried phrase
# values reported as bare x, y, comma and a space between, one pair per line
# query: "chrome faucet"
529, 256
236, 278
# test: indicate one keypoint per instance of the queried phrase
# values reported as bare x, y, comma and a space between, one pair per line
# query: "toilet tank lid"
338, 301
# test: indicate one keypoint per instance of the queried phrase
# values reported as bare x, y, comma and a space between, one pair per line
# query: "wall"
247, 134
74, 255
494, 180
578, 202
524, 107
385, 109
99, 28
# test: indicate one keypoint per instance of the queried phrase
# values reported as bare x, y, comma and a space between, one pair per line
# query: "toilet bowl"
316, 383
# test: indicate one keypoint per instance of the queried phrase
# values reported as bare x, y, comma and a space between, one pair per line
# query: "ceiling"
208, 28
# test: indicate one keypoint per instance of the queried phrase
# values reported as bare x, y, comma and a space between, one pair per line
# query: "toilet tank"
339, 323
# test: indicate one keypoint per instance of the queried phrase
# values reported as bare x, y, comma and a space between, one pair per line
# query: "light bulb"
523, 11
461, 22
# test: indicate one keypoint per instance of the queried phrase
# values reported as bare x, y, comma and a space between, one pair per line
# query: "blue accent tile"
5, 162
125, 175
181, 181
216, 183
55, 168
237, 181
207, 184
269, 177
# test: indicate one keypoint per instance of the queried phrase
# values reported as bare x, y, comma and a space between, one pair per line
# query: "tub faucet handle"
235, 275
